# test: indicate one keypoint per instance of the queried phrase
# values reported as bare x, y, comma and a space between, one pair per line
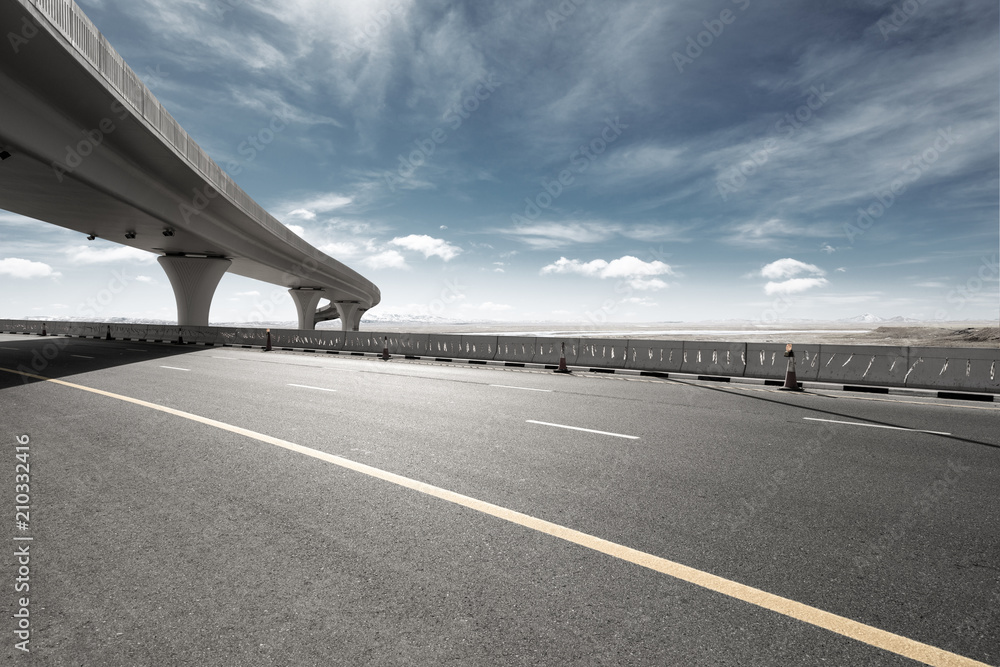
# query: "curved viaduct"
85, 145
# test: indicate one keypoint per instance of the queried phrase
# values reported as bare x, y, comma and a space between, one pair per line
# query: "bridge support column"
350, 315
194, 280
305, 304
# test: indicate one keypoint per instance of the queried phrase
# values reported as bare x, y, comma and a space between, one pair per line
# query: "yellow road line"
846, 627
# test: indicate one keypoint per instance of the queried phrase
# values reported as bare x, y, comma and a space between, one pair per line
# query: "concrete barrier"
117, 331
407, 344
516, 349
714, 358
129, 331
59, 328
548, 350
602, 352
25, 326
238, 337
157, 332
768, 360
443, 346
76, 329
479, 347
655, 355
328, 339
862, 364
193, 334
364, 341
304, 339
962, 369
87, 329
957, 369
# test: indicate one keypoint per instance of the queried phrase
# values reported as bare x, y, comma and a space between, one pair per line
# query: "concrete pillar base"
305, 304
194, 280
350, 315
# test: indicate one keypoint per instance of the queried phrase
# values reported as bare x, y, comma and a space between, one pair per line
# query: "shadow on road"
58, 357
756, 397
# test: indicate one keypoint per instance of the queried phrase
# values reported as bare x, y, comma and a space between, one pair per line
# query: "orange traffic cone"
791, 384
385, 348
562, 361
267, 348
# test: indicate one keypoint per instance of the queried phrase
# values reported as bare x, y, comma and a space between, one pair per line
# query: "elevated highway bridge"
85, 145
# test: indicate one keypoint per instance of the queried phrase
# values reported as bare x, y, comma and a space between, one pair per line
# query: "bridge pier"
305, 304
194, 280
350, 314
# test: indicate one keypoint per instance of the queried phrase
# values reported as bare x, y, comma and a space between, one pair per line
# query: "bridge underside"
77, 154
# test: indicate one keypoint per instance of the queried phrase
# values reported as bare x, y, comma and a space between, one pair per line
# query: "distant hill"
868, 318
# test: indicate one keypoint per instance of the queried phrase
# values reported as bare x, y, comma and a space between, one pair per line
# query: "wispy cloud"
773, 232
548, 235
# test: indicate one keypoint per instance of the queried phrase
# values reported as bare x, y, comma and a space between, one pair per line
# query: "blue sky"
576, 160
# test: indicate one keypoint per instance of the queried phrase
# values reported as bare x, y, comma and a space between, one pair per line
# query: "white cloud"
788, 268
26, 269
429, 246
251, 293
311, 208
389, 259
298, 231
144, 279
302, 214
340, 249
794, 285
644, 284
633, 270
88, 255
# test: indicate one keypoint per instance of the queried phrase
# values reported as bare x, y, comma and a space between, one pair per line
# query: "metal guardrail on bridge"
80, 31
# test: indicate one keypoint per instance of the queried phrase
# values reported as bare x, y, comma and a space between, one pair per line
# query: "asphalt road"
193, 529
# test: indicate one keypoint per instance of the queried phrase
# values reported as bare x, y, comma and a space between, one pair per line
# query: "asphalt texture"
160, 540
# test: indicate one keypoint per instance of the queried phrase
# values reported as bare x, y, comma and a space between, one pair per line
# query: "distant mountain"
399, 318
868, 318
